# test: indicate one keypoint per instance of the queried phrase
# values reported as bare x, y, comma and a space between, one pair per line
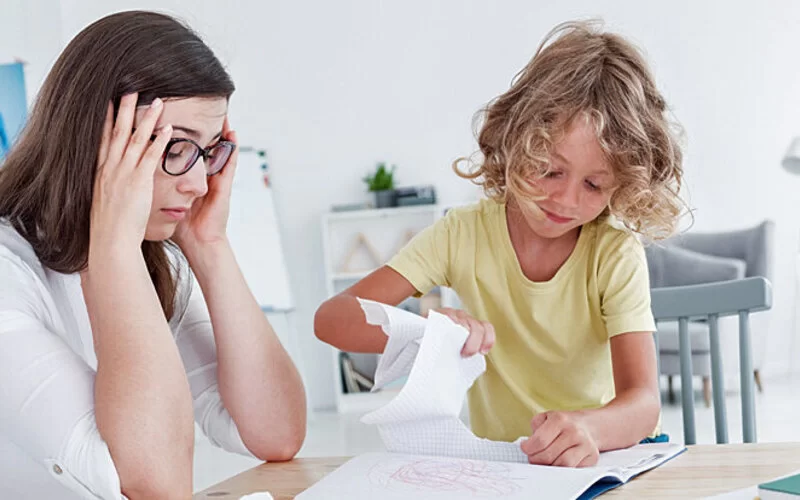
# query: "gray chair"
685, 304
696, 258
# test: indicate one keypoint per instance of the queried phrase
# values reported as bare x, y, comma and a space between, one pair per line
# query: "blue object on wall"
13, 105
3, 137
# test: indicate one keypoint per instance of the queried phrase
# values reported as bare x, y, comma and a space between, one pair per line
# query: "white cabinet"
354, 244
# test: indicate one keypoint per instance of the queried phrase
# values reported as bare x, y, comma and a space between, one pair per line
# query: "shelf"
362, 402
351, 275
371, 213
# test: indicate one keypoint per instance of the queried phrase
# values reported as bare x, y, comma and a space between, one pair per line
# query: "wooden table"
701, 471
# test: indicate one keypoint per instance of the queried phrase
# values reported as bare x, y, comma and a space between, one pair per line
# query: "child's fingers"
571, 457
488, 338
140, 141
561, 433
456, 316
105, 138
537, 421
537, 443
122, 128
591, 458
481, 334
554, 448
475, 339
562, 442
543, 436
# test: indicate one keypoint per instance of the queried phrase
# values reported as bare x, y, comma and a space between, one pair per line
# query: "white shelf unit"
354, 275
387, 231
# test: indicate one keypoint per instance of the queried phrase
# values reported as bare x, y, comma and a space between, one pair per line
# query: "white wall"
331, 87
30, 31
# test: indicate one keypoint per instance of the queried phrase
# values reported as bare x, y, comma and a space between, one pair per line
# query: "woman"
116, 194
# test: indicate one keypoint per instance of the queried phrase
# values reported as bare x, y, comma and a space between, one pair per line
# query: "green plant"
382, 179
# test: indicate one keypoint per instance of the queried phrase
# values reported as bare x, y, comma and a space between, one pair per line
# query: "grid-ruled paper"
423, 417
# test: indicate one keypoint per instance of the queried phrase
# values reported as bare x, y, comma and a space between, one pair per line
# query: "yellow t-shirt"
552, 350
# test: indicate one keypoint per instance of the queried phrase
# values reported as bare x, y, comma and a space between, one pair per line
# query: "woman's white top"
49, 443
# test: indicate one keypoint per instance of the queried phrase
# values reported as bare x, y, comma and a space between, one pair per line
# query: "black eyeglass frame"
199, 151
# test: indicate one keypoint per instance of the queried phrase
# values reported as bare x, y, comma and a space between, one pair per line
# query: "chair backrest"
753, 245
677, 266
711, 301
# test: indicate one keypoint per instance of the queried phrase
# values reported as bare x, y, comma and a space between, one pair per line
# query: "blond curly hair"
581, 71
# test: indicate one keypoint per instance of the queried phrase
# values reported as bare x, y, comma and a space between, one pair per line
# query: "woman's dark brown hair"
47, 180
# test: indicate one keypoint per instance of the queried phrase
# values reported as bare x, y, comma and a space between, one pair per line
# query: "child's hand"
481, 333
560, 438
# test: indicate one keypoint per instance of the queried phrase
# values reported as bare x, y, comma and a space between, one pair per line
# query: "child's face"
579, 185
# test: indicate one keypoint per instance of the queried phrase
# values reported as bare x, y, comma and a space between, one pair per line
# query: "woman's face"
198, 119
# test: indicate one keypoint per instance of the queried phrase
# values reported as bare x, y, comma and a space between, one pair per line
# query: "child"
577, 157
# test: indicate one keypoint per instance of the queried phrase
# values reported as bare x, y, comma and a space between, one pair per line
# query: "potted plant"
382, 184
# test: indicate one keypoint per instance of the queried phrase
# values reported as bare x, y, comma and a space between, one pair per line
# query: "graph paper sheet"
423, 418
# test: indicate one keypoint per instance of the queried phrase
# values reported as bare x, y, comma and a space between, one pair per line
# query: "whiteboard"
253, 230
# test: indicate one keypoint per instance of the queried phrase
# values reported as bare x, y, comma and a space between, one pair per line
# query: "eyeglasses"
181, 154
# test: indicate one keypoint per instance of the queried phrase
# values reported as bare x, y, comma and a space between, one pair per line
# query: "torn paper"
423, 418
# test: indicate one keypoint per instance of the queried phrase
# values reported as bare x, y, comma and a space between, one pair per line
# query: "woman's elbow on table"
279, 450
281, 446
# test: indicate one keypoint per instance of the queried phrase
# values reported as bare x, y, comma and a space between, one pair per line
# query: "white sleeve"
47, 393
195, 339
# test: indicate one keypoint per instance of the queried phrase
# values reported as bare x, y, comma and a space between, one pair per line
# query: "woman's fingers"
124, 189
105, 139
226, 128
229, 170
121, 131
155, 151
140, 140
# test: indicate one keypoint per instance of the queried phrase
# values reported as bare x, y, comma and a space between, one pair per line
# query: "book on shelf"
354, 380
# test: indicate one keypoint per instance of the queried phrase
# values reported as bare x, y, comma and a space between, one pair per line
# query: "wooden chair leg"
757, 376
670, 390
707, 391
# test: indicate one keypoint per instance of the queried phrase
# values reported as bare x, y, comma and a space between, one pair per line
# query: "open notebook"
432, 454
390, 476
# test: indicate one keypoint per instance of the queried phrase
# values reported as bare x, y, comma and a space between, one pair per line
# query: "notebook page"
394, 476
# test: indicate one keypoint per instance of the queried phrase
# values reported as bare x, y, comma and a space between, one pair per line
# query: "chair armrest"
675, 266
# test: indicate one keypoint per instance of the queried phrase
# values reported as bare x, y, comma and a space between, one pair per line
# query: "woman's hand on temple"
123, 187
207, 221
